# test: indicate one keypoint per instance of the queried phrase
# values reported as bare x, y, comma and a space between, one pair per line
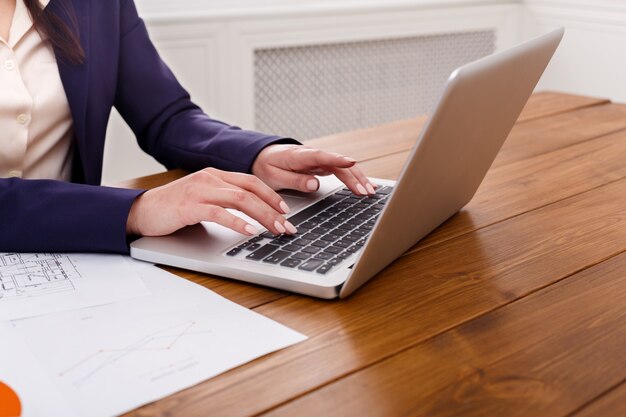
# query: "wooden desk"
516, 306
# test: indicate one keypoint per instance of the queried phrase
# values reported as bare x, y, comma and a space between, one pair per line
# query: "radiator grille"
311, 91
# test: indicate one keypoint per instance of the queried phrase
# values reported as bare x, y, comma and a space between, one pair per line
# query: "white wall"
210, 46
592, 57
210, 43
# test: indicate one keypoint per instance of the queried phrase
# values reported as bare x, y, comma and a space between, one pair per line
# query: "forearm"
44, 215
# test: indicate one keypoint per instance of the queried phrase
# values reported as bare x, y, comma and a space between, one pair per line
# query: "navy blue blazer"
122, 69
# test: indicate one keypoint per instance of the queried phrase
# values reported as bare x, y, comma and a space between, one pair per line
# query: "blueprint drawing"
36, 274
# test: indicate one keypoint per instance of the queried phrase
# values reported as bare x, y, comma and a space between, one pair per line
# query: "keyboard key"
311, 211
384, 190
320, 243
311, 264
323, 255
276, 257
341, 232
245, 244
268, 235
233, 252
291, 262
334, 198
352, 238
301, 255
331, 237
257, 239
333, 249
321, 230
301, 242
331, 224
254, 246
306, 226
343, 244
279, 241
311, 236
262, 252
324, 269
318, 219
344, 192
346, 226
291, 248
311, 249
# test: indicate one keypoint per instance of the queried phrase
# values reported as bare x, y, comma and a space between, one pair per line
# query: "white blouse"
36, 127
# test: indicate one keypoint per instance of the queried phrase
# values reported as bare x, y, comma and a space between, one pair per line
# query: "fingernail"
351, 160
311, 185
281, 229
370, 189
361, 189
284, 207
251, 230
291, 228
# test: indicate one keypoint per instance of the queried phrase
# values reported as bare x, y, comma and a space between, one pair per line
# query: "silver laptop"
344, 240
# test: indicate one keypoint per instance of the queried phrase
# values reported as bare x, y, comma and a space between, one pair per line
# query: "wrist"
132, 227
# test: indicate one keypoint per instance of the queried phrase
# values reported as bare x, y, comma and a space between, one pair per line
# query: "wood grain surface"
516, 306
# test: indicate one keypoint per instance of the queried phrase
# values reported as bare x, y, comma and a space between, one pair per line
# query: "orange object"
10, 405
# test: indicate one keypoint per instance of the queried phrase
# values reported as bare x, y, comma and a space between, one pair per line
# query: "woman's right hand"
205, 196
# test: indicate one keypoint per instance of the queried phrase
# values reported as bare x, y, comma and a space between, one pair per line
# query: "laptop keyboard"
329, 232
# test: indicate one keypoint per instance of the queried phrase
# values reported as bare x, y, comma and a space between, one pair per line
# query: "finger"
306, 159
365, 182
283, 179
219, 215
254, 185
318, 172
253, 206
347, 177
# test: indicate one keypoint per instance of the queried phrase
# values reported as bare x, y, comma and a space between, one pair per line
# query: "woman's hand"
204, 196
295, 166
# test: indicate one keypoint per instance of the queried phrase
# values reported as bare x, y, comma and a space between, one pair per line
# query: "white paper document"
110, 359
33, 284
27, 380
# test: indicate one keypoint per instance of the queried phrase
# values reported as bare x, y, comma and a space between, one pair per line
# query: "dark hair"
64, 39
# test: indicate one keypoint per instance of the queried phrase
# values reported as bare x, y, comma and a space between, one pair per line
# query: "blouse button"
22, 119
15, 174
9, 65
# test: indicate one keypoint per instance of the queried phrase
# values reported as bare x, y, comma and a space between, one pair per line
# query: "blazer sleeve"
167, 124
46, 215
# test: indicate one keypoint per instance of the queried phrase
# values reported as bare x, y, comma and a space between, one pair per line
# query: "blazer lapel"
75, 78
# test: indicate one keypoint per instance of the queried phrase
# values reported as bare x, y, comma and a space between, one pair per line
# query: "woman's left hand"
295, 166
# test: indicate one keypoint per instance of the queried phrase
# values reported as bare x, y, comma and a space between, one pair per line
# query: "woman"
64, 65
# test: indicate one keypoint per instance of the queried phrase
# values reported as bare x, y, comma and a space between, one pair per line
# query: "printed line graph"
162, 340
